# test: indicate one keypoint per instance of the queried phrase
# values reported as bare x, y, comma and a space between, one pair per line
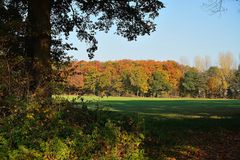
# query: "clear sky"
185, 29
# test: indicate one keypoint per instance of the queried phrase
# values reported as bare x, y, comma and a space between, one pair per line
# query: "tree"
158, 84
216, 82
104, 81
32, 28
199, 63
202, 63
116, 86
216, 6
90, 78
226, 63
138, 80
184, 60
214, 86
234, 85
207, 63
193, 83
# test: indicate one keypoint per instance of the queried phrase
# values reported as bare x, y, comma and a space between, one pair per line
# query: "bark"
38, 46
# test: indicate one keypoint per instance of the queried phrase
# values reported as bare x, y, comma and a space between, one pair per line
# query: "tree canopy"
35, 29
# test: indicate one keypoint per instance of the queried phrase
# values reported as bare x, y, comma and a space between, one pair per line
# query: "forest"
155, 79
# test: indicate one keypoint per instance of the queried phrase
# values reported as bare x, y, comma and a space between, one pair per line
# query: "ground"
180, 128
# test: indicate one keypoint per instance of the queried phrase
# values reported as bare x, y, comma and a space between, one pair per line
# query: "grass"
180, 128
177, 108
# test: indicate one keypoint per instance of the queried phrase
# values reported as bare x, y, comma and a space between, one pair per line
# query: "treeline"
151, 79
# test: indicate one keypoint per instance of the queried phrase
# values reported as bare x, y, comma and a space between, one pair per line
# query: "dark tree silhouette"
34, 28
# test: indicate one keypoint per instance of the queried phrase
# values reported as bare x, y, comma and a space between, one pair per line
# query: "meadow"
171, 108
177, 128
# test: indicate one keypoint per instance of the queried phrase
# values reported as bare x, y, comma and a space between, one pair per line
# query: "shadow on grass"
182, 129
215, 109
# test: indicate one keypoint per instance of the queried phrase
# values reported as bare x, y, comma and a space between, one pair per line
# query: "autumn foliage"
126, 78
150, 78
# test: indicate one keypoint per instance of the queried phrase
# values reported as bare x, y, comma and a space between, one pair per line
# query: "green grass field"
179, 128
171, 108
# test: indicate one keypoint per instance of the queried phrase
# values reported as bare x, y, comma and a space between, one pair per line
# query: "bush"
53, 130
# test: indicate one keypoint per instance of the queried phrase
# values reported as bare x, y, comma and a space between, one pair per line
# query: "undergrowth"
58, 130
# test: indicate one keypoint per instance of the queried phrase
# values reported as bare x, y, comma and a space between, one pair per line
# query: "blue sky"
185, 29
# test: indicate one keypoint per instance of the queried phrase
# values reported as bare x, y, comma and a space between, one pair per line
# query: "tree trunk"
38, 46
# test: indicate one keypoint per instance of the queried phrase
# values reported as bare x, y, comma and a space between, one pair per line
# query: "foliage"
193, 83
138, 80
124, 77
35, 30
158, 84
53, 130
217, 83
234, 86
150, 78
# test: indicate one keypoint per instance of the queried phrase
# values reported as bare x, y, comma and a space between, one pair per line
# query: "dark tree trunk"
38, 46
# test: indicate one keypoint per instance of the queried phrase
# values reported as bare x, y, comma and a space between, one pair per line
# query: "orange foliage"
115, 70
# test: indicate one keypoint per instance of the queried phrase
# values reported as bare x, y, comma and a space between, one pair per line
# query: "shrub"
56, 130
